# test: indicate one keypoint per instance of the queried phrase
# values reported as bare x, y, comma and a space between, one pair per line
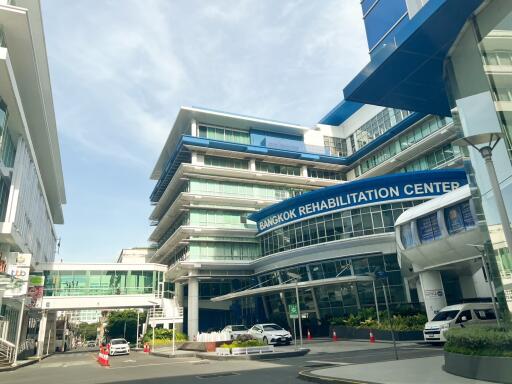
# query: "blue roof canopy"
408, 74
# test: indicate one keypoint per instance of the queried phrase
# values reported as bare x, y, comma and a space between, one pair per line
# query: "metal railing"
6, 351
4, 328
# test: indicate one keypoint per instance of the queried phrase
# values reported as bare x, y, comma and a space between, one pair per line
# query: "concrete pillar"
193, 128
421, 299
178, 296
252, 165
433, 292
42, 335
304, 171
481, 284
313, 295
193, 307
467, 286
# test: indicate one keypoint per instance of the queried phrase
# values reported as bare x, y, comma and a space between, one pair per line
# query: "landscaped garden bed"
406, 325
479, 353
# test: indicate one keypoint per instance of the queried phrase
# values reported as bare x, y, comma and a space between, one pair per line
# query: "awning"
290, 286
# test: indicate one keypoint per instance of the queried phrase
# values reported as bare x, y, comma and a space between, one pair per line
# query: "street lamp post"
296, 277
481, 250
488, 142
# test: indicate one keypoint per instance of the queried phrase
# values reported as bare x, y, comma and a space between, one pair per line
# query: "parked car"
91, 344
271, 333
118, 347
459, 315
236, 330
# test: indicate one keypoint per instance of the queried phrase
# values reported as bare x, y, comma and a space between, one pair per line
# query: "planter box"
364, 333
198, 346
488, 368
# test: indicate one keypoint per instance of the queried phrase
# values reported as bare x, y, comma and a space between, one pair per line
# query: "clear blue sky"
121, 69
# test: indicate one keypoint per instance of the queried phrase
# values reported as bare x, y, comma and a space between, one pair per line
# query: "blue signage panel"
370, 191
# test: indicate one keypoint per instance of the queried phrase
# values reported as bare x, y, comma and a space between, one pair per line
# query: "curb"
263, 356
308, 375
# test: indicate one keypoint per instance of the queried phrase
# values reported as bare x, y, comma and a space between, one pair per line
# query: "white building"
31, 179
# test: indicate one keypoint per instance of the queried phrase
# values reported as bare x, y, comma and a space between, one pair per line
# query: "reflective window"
428, 228
277, 168
325, 174
226, 162
406, 235
224, 134
334, 226
459, 217
335, 146
227, 188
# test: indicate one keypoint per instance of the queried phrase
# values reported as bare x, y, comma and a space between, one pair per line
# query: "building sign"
17, 265
35, 291
377, 190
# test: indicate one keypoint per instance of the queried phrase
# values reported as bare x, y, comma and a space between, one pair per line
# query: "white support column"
252, 165
193, 307
193, 128
41, 337
178, 295
304, 171
433, 292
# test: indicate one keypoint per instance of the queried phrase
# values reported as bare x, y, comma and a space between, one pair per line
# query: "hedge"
480, 341
243, 344
163, 334
367, 318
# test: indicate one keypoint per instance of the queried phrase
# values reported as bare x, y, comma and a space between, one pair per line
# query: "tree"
123, 324
88, 331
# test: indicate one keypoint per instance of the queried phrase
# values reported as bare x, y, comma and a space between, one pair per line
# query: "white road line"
328, 362
148, 365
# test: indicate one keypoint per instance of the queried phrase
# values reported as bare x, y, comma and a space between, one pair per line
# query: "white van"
459, 315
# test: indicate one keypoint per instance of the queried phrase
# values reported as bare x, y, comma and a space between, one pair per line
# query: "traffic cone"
146, 348
334, 337
372, 338
309, 335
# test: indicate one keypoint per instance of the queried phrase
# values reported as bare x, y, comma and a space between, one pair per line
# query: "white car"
119, 347
236, 330
459, 315
271, 333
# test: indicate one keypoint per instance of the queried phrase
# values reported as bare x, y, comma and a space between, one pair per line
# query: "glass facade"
325, 174
7, 146
436, 159
95, 283
335, 146
220, 219
378, 125
335, 226
339, 299
224, 134
227, 188
403, 142
277, 168
226, 162
222, 250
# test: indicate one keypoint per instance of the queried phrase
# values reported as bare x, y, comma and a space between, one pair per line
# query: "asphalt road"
77, 368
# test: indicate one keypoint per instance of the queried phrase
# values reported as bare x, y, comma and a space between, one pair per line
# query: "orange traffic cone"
334, 337
309, 335
372, 338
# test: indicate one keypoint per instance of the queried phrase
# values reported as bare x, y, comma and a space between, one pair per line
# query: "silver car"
236, 330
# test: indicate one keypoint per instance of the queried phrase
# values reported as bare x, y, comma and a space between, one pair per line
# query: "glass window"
406, 235
224, 134
428, 228
459, 217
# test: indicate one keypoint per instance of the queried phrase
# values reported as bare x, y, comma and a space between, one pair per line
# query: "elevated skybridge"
101, 286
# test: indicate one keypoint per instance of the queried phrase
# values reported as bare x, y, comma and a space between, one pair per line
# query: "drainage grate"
212, 375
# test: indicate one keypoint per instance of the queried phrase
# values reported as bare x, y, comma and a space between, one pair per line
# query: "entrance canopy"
289, 286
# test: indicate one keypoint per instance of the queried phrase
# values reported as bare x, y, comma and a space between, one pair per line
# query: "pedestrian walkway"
426, 370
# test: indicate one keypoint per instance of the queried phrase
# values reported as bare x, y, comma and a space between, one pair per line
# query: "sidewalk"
426, 370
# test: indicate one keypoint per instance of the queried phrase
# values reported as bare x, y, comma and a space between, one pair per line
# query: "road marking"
129, 361
148, 365
327, 362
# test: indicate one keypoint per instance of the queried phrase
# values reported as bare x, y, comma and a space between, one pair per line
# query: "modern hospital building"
382, 185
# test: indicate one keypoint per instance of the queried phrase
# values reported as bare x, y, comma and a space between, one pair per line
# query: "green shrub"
404, 320
480, 341
163, 334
